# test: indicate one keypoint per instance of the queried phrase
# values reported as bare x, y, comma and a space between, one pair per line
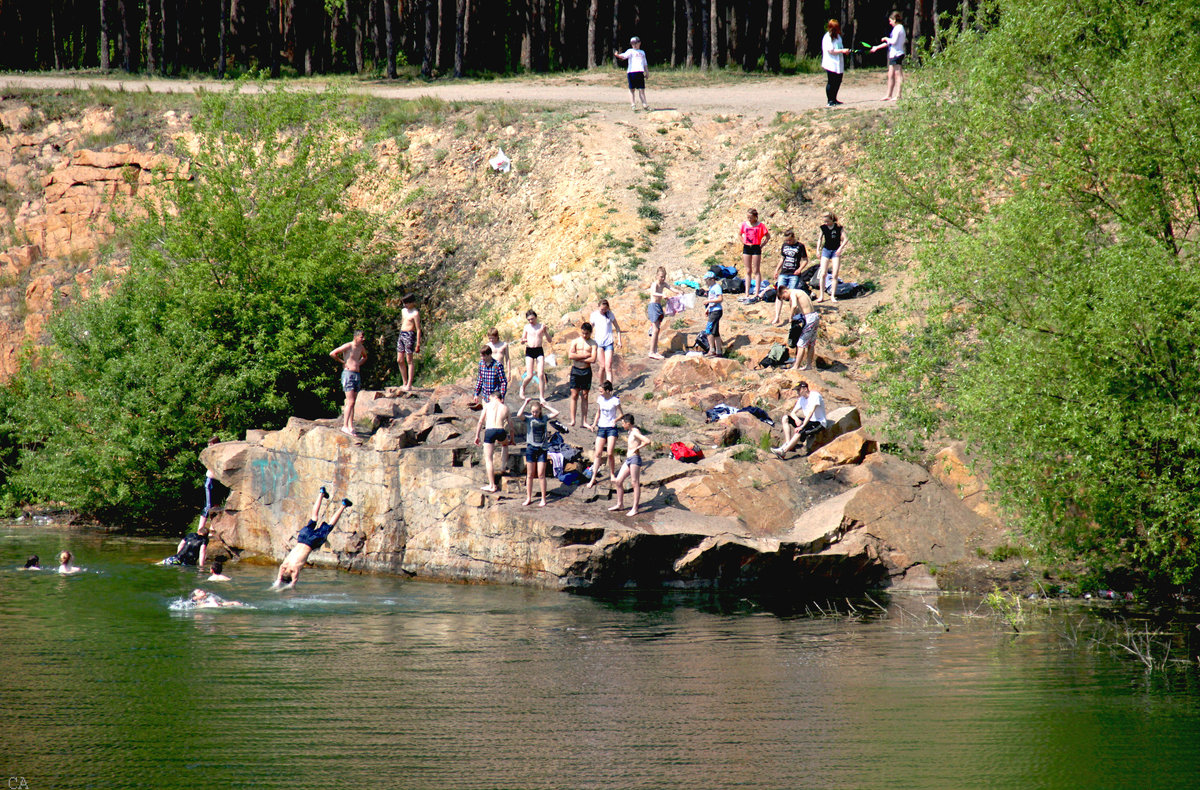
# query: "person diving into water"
310, 538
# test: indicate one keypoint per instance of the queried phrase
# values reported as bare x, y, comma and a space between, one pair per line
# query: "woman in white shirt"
895, 42
833, 60
635, 71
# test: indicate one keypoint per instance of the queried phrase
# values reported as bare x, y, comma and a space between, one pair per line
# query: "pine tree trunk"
593, 15
771, 38
709, 23
221, 55
427, 58
150, 30
801, 31
129, 47
918, 25
616, 28
104, 65
273, 37
460, 27
966, 8
689, 15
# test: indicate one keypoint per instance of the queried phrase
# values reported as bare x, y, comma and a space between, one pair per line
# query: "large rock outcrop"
415, 481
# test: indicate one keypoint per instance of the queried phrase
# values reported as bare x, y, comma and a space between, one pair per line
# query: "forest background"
438, 37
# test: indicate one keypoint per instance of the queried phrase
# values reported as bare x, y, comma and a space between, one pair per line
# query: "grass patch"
672, 420
748, 454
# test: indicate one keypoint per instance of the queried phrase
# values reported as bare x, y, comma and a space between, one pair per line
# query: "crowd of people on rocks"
592, 352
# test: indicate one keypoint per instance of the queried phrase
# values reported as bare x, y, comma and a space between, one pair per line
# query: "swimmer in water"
33, 563
310, 538
64, 564
215, 570
204, 599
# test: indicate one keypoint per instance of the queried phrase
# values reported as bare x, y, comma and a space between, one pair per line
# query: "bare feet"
529, 501
543, 503
347, 431
592, 484
616, 507
806, 367
632, 512
489, 489
657, 356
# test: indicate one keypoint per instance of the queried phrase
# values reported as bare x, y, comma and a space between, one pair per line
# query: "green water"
364, 682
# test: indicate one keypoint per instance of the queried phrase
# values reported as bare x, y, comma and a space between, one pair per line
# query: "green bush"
1052, 201
240, 283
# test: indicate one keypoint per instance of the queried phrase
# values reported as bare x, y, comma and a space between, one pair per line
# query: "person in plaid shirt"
491, 377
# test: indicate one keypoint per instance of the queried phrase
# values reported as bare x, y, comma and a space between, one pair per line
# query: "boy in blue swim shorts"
309, 539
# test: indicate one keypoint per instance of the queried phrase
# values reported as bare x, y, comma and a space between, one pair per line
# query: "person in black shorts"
583, 353
309, 539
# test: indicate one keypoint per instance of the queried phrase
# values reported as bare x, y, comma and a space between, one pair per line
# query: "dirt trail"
601, 91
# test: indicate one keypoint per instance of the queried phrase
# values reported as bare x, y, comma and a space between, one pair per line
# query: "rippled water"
363, 682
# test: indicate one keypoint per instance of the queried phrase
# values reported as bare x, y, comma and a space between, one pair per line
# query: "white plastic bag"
500, 162
551, 361
689, 300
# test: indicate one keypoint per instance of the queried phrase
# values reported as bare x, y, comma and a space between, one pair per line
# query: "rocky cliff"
866, 520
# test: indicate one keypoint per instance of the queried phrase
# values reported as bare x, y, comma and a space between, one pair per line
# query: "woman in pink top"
754, 235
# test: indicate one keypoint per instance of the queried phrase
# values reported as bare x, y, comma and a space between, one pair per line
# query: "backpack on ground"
687, 453
727, 271
777, 356
733, 285
768, 295
701, 342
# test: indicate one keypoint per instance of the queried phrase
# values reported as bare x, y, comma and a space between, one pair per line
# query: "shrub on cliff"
1047, 169
240, 283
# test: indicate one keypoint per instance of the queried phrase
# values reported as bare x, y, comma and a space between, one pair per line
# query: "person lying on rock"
632, 468
495, 422
808, 417
309, 539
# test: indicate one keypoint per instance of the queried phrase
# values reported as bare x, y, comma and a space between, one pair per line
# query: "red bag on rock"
686, 453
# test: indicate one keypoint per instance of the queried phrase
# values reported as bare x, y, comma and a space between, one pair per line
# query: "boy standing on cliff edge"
351, 355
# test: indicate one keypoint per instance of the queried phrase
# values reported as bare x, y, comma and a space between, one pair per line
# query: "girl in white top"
499, 349
895, 42
535, 336
635, 71
608, 411
832, 54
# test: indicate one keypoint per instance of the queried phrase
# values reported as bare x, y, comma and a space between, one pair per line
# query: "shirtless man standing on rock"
802, 335
496, 425
582, 353
310, 538
351, 355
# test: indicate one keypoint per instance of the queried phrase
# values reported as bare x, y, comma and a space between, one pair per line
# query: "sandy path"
757, 98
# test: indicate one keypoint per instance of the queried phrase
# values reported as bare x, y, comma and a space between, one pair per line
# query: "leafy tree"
1047, 170
241, 281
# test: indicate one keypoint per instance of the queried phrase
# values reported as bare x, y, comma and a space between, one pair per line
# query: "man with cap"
712, 306
635, 72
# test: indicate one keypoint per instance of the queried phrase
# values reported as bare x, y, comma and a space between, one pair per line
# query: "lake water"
365, 682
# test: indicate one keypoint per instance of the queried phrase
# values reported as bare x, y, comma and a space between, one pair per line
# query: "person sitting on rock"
632, 468
807, 416
309, 539
496, 425
537, 431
